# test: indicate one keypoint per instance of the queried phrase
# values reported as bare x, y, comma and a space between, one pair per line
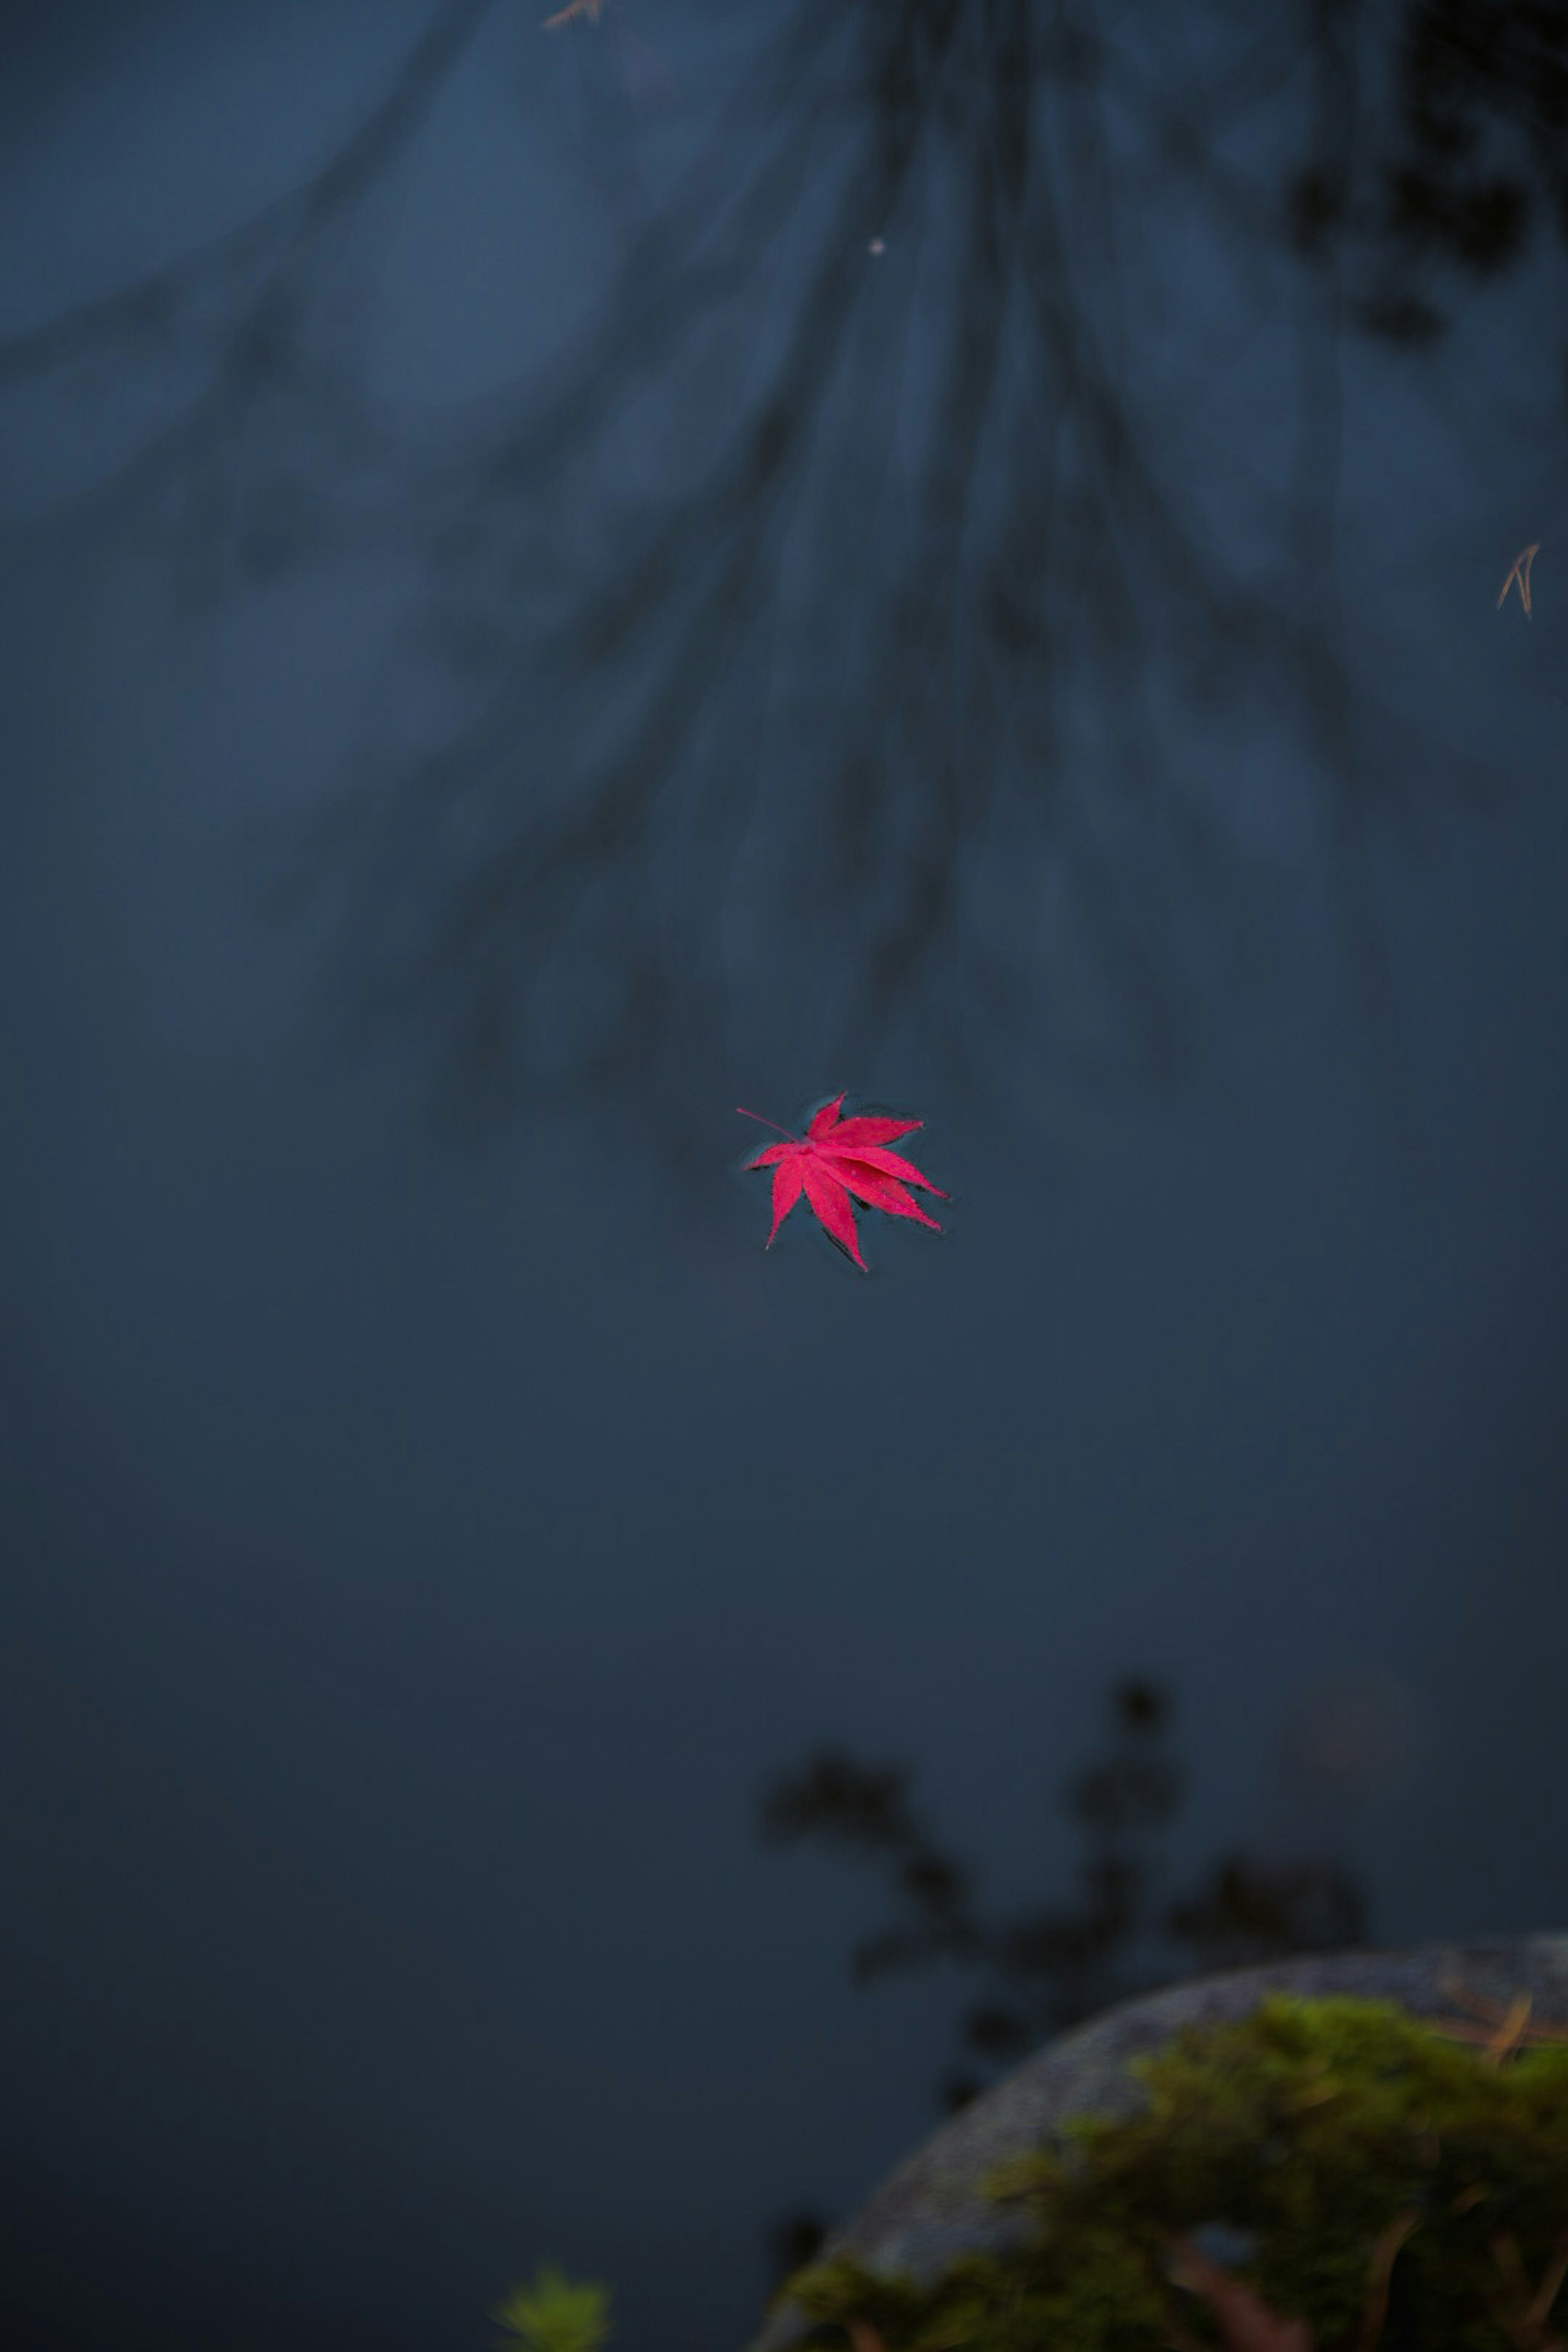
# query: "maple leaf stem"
743, 1113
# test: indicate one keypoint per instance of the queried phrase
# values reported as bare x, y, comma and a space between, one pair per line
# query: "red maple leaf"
838, 1157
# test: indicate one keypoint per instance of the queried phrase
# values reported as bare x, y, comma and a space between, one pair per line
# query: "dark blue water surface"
885, 549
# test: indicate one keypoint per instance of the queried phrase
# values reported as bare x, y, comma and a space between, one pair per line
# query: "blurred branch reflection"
860, 619
1049, 1969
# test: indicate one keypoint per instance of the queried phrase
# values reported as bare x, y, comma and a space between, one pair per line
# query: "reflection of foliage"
922, 522
554, 2316
793, 2241
1050, 1968
1482, 95
1389, 2188
1054, 1967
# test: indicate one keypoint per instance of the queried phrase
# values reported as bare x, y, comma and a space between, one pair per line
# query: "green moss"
555, 2315
1314, 2128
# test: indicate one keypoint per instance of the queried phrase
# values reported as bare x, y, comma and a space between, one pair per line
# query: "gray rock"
931, 2209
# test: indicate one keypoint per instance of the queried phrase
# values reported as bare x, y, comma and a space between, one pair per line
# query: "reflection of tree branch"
910, 797
153, 307
1054, 1967
934, 586
281, 436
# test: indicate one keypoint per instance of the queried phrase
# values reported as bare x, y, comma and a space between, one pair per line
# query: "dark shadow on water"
1048, 1969
886, 710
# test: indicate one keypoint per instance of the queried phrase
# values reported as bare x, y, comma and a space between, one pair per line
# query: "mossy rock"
938, 2228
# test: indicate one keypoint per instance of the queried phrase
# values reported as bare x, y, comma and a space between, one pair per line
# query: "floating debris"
1525, 557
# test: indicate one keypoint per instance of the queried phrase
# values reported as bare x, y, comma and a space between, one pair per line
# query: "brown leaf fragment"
1245, 2322
1499, 2032
1374, 2311
1527, 2326
1519, 570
